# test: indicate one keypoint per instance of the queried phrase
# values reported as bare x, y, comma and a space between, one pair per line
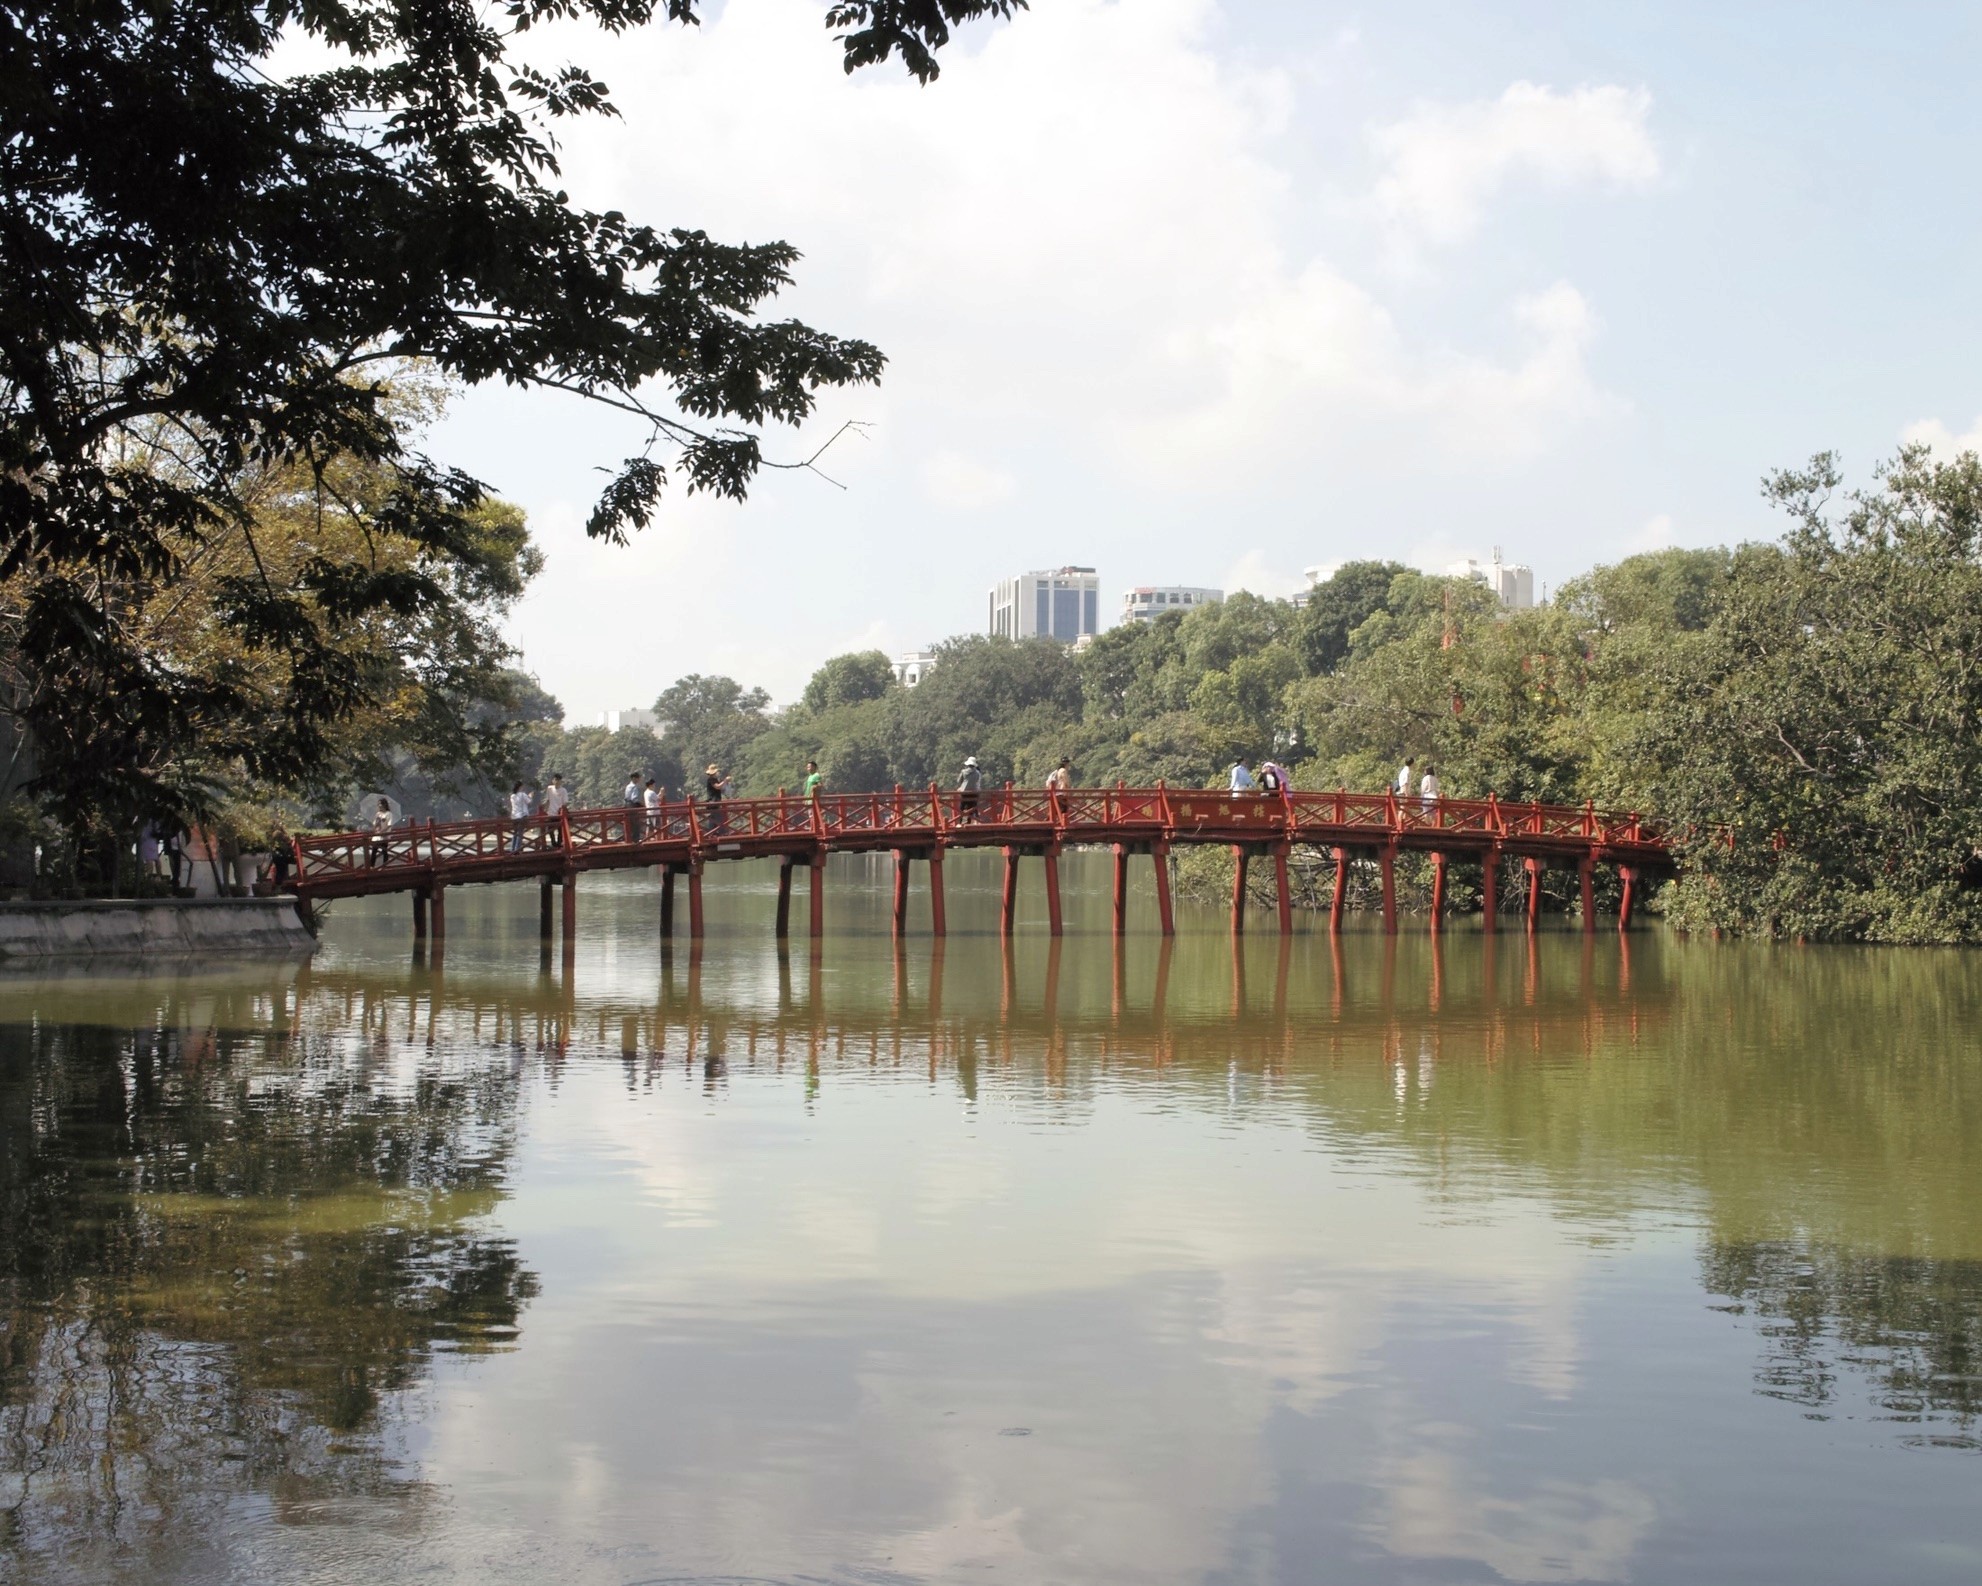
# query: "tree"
390, 658
710, 721
849, 680
1337, 607
201, 253
1829, 720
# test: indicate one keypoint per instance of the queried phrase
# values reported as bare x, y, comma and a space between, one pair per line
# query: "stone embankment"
152, 928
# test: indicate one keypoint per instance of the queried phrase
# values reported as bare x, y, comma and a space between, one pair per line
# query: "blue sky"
1208, 293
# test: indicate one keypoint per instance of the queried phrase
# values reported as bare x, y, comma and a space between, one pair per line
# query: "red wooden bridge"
682, 839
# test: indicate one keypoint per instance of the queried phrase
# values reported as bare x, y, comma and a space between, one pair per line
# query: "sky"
1209, 293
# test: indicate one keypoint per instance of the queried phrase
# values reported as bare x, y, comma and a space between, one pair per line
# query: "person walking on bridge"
1407, 778
1429, 789
970, 784
556, 800
1060, 780
520, 803
377, 851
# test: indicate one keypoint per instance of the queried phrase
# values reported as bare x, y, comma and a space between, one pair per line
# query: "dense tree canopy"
206, 269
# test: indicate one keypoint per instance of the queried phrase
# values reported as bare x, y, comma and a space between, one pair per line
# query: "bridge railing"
733, 819
1111, 807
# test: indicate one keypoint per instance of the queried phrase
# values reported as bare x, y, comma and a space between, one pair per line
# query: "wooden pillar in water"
1241, 862
695, 900
1052, 858
1534, 868
1629, 875
785, 867
1489, 889
1159, 854
1437, 892
570, 913
546, 923
1386, 861
901, 892
817, 895
1121, 888
667, 902
419, 916
1281, 889
1586, 875
437, 909
1008, 903
938, 924
1339, 898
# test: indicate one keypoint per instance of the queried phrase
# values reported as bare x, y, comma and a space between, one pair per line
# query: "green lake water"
1653, 1260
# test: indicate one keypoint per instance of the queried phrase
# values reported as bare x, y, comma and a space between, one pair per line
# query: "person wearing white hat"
969, 785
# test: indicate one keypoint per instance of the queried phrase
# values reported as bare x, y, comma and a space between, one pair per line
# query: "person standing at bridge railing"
1242, 776
1060, 780
377, 850
810, 788
1429, 790
630, 797
1272, 778
716, 788
970, 786
650, 803
520, 807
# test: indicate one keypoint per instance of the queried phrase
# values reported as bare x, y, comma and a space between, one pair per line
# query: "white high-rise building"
620, 720
1513, 583
1063, 604
1147, 602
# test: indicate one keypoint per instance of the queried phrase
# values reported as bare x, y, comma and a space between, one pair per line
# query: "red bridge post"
1534, 869
817, 895
1490, 888
901, 886
1008, 902
419, 914
1121, 897
1629, 874
785, 866
1386, 860
1437, 890
1586, 877
1159, 854
938, 923
1052, 857
1281, 887
1240, 862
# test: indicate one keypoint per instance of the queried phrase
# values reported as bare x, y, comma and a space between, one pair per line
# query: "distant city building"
1063, 604
914, 666
1514, 583
1147, 602
620, 720
1316, 576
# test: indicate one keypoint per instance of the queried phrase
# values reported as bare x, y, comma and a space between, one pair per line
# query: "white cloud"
962, 484
1944, 442
1445, 163
1107, 274
1255, 572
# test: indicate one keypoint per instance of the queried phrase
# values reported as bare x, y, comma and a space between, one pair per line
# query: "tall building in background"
914, 666
1147, 602
1064, 604
1514, 582
620, 720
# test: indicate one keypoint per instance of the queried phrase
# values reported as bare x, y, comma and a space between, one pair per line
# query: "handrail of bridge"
683, 826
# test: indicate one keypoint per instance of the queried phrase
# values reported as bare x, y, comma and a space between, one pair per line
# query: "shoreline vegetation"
1817, 697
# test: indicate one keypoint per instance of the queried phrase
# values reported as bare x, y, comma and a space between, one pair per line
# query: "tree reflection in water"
224, 1257
1908, 1328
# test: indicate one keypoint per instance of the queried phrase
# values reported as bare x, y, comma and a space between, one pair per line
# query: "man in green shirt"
813, 780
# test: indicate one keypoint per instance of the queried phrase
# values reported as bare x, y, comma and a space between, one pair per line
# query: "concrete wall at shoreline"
152, 927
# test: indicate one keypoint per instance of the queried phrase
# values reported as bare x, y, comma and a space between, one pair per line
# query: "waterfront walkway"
682, 839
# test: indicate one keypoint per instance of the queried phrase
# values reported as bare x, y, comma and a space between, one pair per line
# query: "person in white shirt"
557, 799
520, 802
1428, 789
1405, 777
630, 797
1060, 778
650, 801
1242, 777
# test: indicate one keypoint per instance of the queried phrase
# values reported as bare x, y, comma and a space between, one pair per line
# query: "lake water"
1371, 1261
